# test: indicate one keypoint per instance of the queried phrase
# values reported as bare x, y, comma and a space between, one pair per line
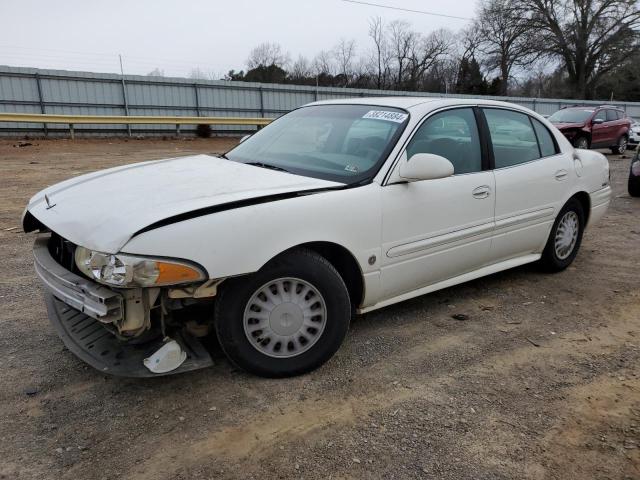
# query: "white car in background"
337, 207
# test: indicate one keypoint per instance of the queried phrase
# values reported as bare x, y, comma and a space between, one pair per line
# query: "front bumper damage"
80, 310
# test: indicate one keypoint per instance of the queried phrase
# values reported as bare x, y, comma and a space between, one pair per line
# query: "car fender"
240, 241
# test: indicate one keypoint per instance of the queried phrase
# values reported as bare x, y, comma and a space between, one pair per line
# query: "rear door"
531, 178
613, 125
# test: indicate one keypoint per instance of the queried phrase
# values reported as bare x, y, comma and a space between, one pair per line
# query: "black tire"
550, 260
236, 293
621, 145
581, 142
634, 183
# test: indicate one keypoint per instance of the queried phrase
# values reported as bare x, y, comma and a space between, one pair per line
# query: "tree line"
581, 49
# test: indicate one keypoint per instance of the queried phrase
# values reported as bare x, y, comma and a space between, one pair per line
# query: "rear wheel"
565, 237
288, 318
581, 142
621, 146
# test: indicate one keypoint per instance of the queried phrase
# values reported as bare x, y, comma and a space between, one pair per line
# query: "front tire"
581, 142
287, 319
565, 237
633, 185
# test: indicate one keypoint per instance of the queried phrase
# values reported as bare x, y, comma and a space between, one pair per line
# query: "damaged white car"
336, 208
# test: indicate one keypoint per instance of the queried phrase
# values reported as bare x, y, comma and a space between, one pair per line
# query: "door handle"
561, 175
481, 192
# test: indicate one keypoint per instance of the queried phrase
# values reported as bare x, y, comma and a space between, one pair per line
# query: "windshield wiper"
222, 155
267, 165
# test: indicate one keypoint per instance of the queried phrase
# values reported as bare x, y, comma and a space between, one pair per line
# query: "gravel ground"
542, 381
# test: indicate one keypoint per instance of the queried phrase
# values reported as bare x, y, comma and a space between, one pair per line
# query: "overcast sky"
176, 36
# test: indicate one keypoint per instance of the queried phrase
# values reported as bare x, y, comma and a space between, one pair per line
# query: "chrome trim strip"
521, 218
438, 240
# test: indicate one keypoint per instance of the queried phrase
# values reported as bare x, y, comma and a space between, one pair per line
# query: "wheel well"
585, 201
346, 265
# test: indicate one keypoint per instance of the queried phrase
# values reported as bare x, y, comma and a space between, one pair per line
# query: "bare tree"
423, 55
301, 69
380, 55
591, 37
401, 40
445, 71
506, 38
344, 54
323, 63
470, 41
267, 54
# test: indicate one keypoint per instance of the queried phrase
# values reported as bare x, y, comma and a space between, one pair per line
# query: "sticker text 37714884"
397, 117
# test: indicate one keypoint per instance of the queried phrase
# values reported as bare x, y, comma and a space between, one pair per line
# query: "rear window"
612, 115
545, 140
512, 136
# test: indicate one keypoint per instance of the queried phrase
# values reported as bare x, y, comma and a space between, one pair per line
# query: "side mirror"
597, 121
243, 139
425, 166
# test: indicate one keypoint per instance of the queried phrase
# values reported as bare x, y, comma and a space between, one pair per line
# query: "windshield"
342, 143
571, 115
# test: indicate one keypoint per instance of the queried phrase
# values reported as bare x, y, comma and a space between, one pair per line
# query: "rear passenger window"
514, 141
545, 140
612, 115
452, 134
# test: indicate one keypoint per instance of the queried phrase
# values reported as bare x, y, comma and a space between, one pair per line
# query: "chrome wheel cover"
583, 143
566, 234
285, 317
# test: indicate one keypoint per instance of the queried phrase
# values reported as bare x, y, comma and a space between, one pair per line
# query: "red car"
594, 127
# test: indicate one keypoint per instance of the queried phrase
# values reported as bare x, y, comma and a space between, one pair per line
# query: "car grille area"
63, 252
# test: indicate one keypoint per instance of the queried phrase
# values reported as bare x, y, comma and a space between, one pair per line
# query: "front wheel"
565, 237
581, 142
288, 318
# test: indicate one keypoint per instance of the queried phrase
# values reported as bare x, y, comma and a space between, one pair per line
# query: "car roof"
592, 107
409, 103
398, 102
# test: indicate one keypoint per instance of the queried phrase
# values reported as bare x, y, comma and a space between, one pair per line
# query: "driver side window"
452, 134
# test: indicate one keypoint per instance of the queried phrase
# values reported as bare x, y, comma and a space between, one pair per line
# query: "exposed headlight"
128, 271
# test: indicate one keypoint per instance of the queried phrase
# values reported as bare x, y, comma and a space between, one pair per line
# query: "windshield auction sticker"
386, 115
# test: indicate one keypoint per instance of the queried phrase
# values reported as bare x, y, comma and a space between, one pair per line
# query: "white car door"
532, 177
434, 230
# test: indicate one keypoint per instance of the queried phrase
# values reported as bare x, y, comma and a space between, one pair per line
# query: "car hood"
104, 209
565, 126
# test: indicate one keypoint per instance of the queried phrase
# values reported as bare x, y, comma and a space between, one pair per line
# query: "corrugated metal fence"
29, 90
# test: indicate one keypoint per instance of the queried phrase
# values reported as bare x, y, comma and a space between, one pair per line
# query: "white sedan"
336, 208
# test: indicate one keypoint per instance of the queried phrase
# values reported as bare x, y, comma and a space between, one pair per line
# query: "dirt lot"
541, 382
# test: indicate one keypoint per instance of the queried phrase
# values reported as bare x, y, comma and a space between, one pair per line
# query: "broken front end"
126, 315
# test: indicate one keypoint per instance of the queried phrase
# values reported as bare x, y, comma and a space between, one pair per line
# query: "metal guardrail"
72, 120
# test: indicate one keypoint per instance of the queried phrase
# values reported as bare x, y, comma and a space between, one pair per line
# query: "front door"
434, 230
